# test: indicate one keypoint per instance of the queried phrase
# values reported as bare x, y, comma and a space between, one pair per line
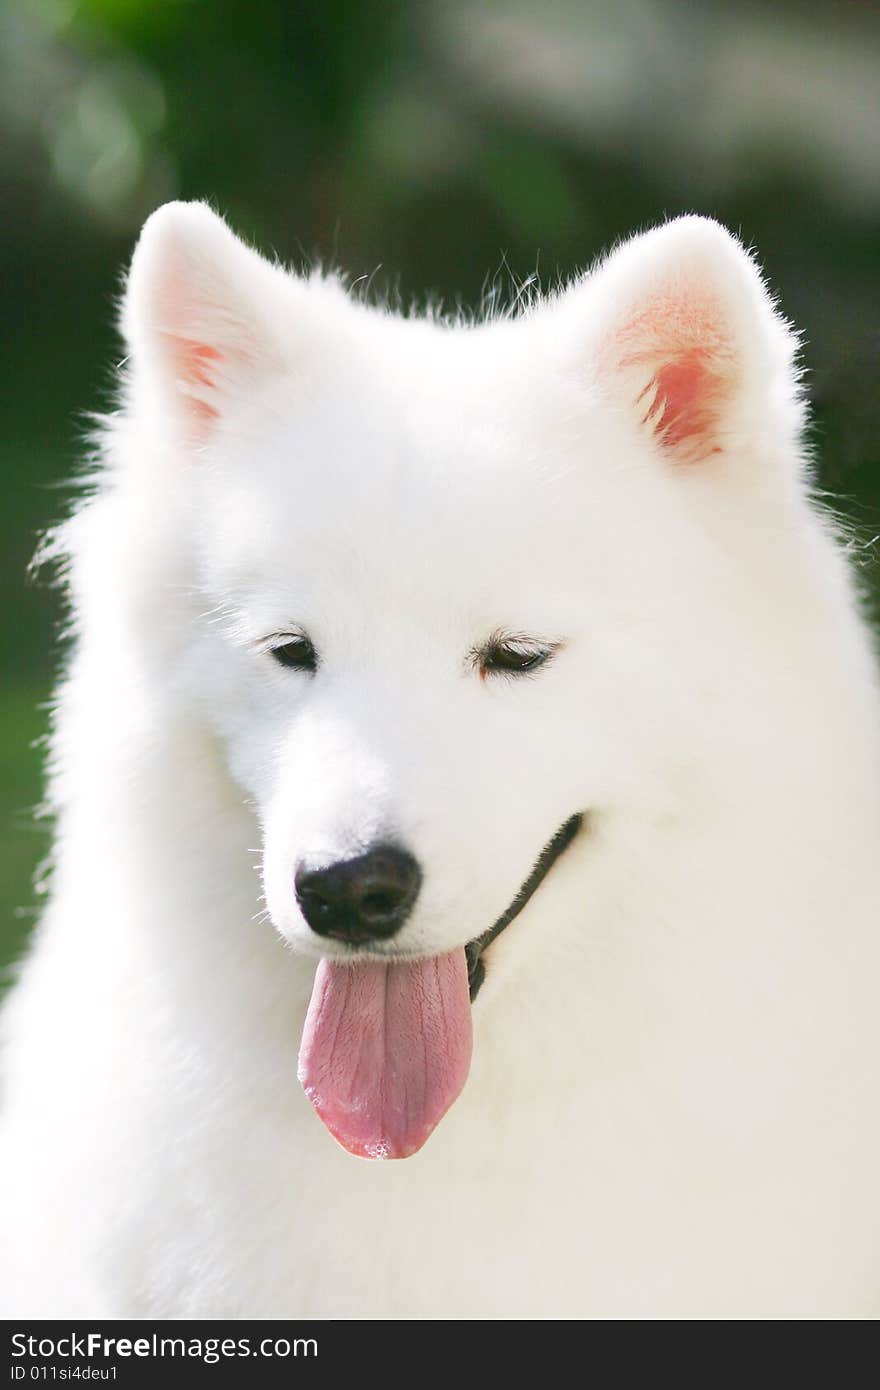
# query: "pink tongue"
386, 1050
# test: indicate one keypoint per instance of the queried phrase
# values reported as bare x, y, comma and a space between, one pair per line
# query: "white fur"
673, 1105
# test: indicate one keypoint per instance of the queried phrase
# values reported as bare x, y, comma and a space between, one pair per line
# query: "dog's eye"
512, 656
297, 653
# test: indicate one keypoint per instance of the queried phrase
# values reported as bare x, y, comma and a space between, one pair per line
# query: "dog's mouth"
386, 1046
543, 864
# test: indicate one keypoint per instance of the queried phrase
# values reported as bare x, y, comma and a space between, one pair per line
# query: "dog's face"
403, 657
444, 576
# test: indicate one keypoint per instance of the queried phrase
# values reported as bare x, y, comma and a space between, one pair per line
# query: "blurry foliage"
429, 145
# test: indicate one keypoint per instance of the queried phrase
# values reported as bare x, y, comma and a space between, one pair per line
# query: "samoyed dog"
462, 717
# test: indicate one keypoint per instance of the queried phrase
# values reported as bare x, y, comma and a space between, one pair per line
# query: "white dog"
517, 661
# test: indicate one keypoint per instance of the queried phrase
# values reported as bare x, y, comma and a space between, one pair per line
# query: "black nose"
358, 900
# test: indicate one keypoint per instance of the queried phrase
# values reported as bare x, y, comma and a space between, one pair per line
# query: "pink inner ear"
677, 347
193, 361
686, 395
198, 357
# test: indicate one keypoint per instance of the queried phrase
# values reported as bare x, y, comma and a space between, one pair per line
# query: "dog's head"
456, 585
448, 570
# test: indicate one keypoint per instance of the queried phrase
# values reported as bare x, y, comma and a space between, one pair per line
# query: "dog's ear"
684, 334
200, 314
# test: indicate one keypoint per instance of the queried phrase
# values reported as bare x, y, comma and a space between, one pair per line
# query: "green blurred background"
449, 148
